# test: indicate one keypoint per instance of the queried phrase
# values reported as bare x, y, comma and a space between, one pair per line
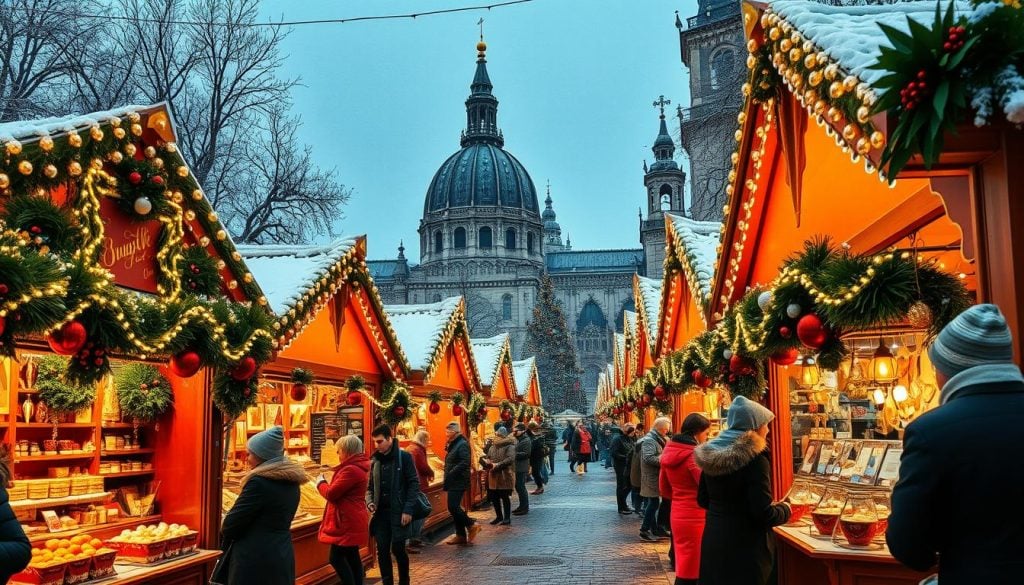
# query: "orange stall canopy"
691, 247
527, 382
493, 355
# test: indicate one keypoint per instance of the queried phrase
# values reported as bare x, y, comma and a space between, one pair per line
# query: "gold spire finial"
481, 47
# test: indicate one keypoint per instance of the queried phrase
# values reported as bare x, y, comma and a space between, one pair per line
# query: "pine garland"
60, 396
143, 393
302, 376
476, 410
396, 403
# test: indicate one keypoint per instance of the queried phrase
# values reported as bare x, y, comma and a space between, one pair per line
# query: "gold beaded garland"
96, 133
149, 151
13, 147
25, 167
5, 181
119, 133
50, 171
46, 143
137, 129
74, 168
74, 140
877, 139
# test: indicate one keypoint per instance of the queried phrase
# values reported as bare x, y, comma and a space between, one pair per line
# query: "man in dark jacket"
958, 460
621, 455
567, 434
551, 440
456, 482
390, 498
523, 449
15, 550
538, 456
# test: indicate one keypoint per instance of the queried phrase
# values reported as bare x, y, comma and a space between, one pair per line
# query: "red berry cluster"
194, 270
92, 356
955, 39
915, 91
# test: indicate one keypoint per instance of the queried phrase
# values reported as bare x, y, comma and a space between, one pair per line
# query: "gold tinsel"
919, 315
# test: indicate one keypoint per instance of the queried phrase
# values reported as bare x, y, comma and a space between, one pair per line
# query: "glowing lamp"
809, 373
879, 396
899, 394
883, 365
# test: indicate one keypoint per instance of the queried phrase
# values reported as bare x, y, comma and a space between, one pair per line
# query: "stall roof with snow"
527, 380
493, 356
435, 340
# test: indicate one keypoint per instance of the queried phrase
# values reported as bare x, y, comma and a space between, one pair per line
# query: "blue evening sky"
383, 103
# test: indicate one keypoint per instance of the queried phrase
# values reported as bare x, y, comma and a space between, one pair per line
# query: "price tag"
52, 521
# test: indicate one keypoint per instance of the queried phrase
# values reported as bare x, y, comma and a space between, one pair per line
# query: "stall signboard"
129, 248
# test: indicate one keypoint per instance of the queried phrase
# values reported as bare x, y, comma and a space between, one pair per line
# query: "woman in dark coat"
735, 488
501, 479
257, 535
15, 550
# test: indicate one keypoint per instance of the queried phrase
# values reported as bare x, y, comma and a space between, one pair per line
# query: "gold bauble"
785, 45
116, 156
50, 171
863, 114
834, 115
795, 38
134, 116
774, 33
850, 83
74, 140
74, 168
5, 181
863, 145
158, 163
197, 195
136, 129
815, 78
795, 54
115, 122
221, 235
96, 132
752, 46
877, 139
13, 147
149, 151
850, 132
831, 72
182, 171
919, 315
810, 62
835, 91
738, 135
25, 167
746, 89
751, 61
130, 149
46, 143
119, 133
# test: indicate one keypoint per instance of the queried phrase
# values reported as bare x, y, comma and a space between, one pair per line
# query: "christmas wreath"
143, 393
42, 224
60, 395
396, 404
198, 272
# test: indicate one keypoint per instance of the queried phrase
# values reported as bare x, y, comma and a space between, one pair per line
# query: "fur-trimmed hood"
284, 470
731, 458
503, 441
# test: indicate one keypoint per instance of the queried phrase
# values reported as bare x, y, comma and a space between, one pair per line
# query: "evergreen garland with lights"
60, 395
143, 393
476, 410
396, 403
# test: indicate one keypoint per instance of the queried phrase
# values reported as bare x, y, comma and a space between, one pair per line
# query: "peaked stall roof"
424, 332
695, 244
525, 372
489, 353
648, 296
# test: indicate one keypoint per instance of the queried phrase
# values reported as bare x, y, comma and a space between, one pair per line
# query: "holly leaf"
939, 100
959, 55
900, 40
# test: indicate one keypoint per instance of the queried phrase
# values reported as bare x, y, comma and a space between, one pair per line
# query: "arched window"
460, 238
529, 242
723, 66
510, 239
665, 197
438, 241
506, 307
486, 241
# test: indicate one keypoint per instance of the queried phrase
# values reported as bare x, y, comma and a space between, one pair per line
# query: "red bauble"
628, 407
157, 180
701, 380
645, 399
506, 415
186, 364
785, 332
298, 392
631, 405
70, 338
457, 410
741, 365
3, 325
811, 331
354, 398
244, 370
434, 408
399, 411
482, 412
784, 357
616, 411
134, 177
659, 392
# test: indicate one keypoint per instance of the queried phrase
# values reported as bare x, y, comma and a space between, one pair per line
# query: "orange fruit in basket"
52, 544
64, 543
96, 543
75, 549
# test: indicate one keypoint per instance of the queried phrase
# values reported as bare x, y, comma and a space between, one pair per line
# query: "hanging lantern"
457, 409
810, 375
883, 365
434, 408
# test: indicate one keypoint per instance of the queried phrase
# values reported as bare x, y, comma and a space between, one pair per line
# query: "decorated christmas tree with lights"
547, 337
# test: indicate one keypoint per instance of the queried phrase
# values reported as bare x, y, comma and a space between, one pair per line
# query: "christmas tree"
547, 338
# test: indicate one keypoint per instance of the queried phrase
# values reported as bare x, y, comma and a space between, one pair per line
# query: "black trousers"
347, 564
622, 485
521, 492
665, 515
551, 457
461, 518
537, 471
386, 548
502, 502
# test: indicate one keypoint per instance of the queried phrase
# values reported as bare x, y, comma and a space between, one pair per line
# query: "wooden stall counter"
194, 569
806, 560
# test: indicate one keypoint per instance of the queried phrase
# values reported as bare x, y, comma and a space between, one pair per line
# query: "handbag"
421, 507
219, 575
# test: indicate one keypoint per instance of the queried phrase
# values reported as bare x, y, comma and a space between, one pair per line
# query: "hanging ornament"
69, 339
659, 392
398, 411
787, 356
135, 177
434, 408
143, 206
741, 365
482, 412
298, 392
457, 409
919, 315
506, 415
645, 400
157, 180
811, 331
764, 300
793, 310
785, 332
354, 398
3, 324
244, 369
186, 364
727, 354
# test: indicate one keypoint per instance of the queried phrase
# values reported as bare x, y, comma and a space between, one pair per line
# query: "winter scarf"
993, 373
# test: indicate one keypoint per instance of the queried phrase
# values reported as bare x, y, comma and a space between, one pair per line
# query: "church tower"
712, 47
665, 183
552, 231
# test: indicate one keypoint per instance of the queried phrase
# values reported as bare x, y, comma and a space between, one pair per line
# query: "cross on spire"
660, 103
480, 23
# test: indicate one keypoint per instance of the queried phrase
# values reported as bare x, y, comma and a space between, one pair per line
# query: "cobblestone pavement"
573, 534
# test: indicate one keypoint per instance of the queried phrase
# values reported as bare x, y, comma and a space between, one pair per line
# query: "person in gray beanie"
959, 458
735, 489
256, 535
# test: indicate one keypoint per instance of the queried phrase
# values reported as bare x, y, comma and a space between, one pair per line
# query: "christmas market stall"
335, 353
128, 324
443, 379
493, 355
527, 383
856, 227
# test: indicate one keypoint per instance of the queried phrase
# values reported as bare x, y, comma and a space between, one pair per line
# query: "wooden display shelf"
187, 569
28, 458
119, 425
117, 452
53, 502
23, 425
293, 447
127, 473
43, 536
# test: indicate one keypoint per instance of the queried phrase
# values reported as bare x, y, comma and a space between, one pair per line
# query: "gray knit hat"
501, 432
747, 415
975, 337
268, 445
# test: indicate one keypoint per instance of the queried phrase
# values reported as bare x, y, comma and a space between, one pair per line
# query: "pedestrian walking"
551, 441
622, 453
605, 445
15, 549
390, 498
567, 435
538, 457
650, 468
634, 472
582, 446
500, 464
456, 482
418, 449
595, 432
524, 448
345, 526
680, 472
256, 535
735, 489
957, 459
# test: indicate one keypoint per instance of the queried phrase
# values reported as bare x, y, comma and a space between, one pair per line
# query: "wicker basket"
19, 491
79, 486
60, 488
38, 489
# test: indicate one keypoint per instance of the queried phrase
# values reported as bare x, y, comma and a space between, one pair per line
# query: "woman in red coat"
346, 523
581, 448
680, 474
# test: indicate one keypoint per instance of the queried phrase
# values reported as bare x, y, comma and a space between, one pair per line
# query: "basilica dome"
481, 174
